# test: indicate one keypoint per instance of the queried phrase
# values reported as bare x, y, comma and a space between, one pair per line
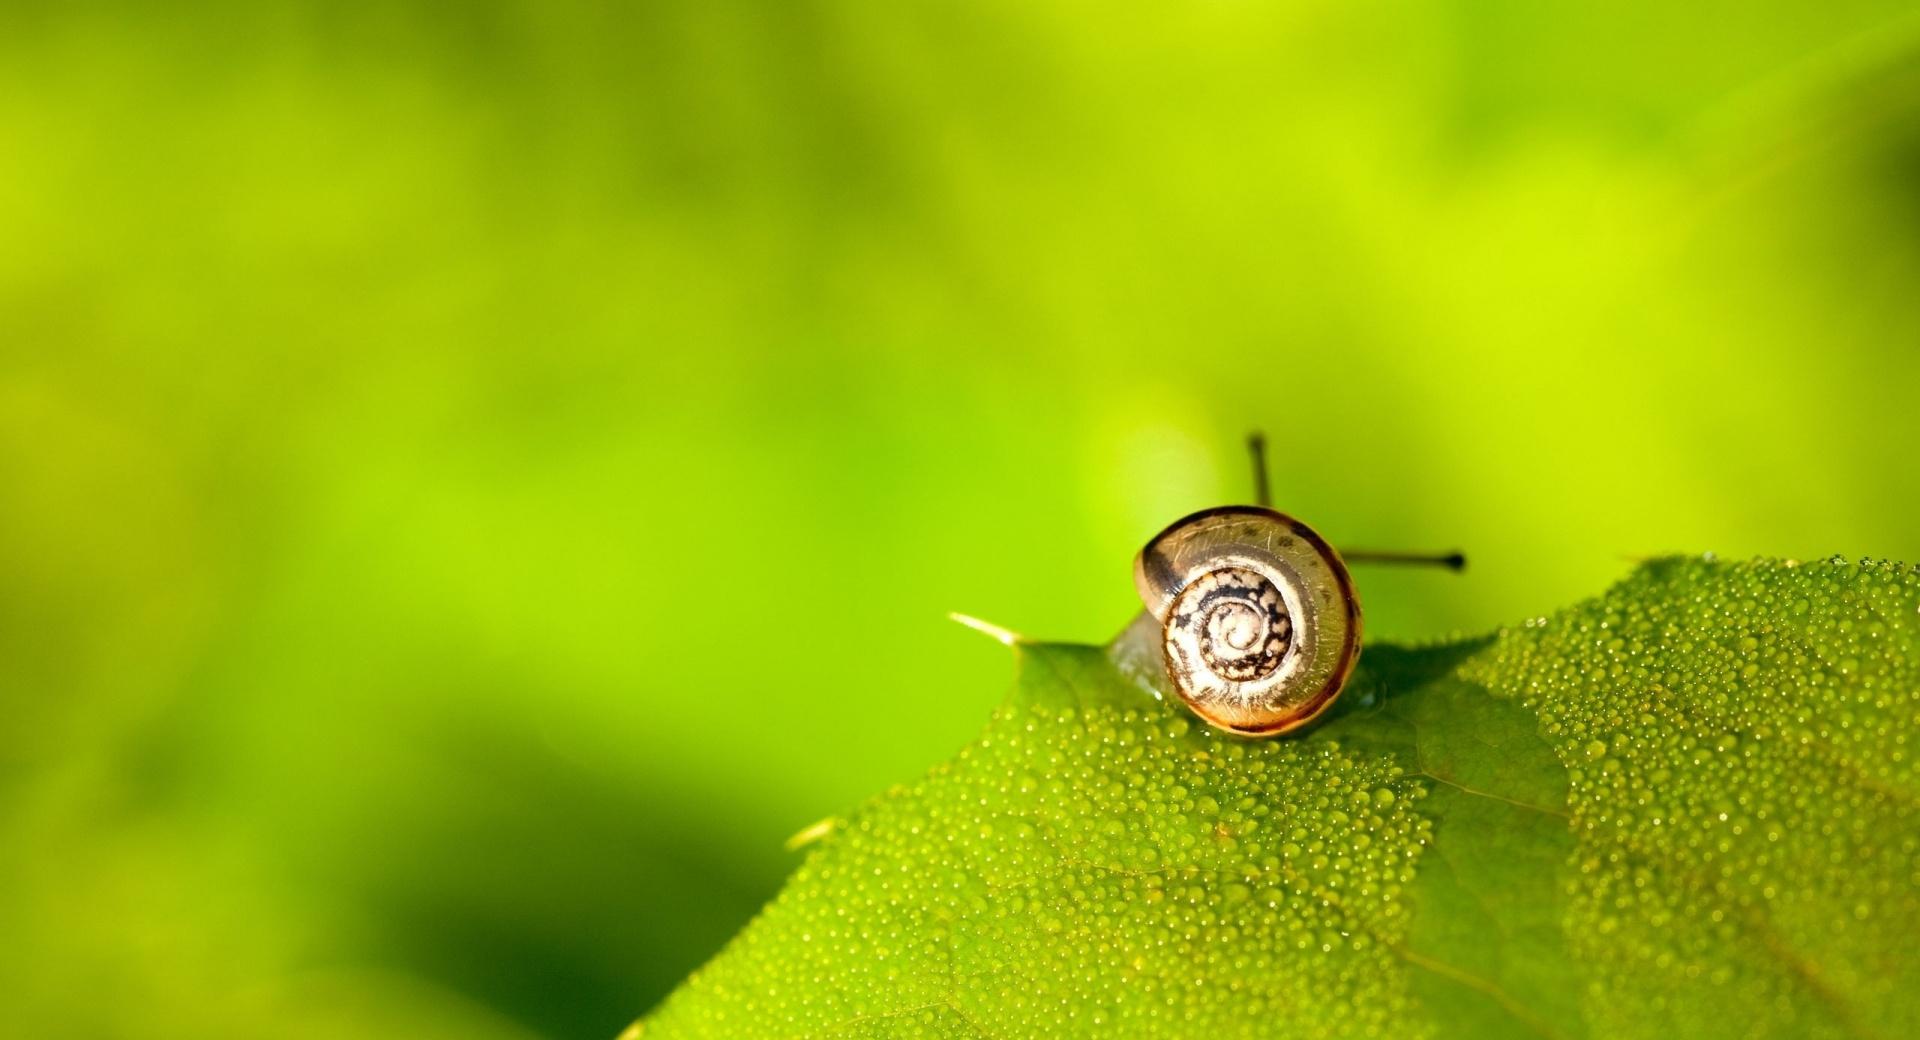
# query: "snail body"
1259, 620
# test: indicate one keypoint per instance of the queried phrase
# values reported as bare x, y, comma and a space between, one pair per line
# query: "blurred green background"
475, 477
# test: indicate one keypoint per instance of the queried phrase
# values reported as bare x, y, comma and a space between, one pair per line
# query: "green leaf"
1686, 808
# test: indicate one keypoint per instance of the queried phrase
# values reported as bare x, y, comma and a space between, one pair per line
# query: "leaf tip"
806, 836
1003, 636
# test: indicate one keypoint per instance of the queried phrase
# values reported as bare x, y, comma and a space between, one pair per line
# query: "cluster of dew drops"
1109, 867
1736, 737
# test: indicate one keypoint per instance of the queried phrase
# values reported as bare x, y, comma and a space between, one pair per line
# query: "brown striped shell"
1260, 625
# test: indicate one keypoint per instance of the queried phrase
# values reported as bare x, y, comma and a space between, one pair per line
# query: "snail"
1259, 621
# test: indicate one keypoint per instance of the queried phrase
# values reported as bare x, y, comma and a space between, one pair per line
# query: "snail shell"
1260, 623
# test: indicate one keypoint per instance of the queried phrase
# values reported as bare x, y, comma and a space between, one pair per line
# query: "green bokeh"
473, 480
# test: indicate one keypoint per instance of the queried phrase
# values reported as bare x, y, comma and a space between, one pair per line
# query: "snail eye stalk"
1263, 496
1257, 453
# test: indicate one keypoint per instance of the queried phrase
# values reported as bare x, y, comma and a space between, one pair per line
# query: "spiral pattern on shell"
1235, 620
1259, 624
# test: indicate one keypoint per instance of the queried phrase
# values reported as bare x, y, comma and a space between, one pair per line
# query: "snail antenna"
1257, 452
1454, 561
1263, 496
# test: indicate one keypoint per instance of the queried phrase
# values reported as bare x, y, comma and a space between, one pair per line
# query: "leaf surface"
1683, 808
